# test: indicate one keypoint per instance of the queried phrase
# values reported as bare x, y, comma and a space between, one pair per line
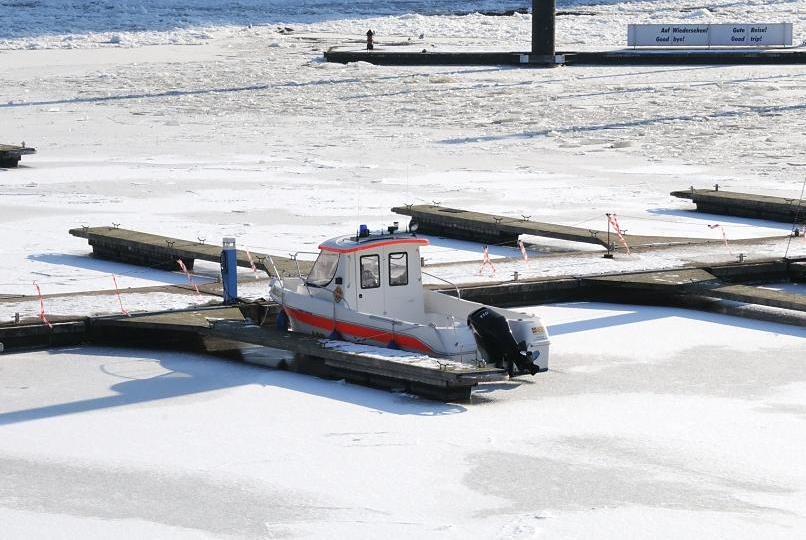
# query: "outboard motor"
494, 338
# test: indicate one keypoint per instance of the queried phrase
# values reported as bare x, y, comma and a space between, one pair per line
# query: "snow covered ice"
202, 120
665, 437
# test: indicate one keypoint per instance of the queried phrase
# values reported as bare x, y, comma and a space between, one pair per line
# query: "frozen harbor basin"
632, 429
191, 122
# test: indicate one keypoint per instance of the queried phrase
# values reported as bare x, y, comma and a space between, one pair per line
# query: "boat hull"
442, 334
363, 331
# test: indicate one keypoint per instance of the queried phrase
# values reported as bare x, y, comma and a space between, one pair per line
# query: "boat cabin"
372, 273
368, 288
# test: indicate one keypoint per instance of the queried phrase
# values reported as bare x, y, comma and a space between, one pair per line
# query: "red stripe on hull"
382, 337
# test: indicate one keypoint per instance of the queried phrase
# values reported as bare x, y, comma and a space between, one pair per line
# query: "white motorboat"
367, 288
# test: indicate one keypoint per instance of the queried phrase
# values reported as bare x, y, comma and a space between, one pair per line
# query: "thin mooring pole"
609, 253
543, 13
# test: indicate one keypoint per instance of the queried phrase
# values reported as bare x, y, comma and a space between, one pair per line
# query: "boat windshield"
323, 269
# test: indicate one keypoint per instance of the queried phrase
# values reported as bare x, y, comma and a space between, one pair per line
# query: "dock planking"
760, 296
666, 280
504, 230
162, 252
364, 360
731, 203
10, 154
702, 282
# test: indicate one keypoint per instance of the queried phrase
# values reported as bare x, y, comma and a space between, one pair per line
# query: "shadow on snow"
191, 374
630, 314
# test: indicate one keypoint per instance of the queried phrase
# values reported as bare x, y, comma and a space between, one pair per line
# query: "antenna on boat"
358, 213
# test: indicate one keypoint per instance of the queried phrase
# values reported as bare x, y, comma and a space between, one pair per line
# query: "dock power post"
229, 271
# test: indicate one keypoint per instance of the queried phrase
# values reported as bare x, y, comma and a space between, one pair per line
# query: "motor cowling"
498, 345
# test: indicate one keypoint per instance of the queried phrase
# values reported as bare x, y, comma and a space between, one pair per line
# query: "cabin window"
398, 269
323, 269
370, 271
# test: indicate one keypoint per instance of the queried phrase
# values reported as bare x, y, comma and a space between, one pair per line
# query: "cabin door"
371, 286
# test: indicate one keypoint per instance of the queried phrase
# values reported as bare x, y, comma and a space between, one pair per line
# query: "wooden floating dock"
10, 154
162, 252
226, 330
731, 203
698, 281
417, 374
221, 330
40, 336
717, 288
504, 230
759, 296
428, 56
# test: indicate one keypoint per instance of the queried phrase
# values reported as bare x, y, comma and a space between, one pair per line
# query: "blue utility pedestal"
229, 271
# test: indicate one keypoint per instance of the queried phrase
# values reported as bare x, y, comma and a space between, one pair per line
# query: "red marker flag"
185, 270
614, 222
251, 262
485, 261
724, 236
117, 291
42, 306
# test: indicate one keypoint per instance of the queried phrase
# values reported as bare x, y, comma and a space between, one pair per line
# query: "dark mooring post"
543, 13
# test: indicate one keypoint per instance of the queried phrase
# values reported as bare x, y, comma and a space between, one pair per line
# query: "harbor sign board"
710, 35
